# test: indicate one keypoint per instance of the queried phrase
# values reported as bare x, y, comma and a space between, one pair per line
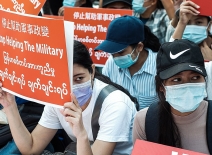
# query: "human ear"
139, 47
93, 74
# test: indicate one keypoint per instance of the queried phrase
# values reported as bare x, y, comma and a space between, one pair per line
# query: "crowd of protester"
159, 75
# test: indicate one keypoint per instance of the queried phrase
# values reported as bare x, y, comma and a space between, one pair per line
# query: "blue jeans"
12, 149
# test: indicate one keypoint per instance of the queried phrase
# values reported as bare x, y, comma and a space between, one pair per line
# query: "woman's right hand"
6, 99
187, 10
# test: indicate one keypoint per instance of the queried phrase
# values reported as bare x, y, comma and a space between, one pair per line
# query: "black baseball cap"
106, 2
180, 55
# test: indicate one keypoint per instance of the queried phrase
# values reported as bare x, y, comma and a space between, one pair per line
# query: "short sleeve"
49, 118
116, 120
139, 125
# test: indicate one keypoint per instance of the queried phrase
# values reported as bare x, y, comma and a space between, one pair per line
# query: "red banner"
22, 6
205, 7
90, 27
142, 147
35, 64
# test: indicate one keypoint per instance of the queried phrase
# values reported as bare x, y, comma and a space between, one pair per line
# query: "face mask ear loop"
208, 30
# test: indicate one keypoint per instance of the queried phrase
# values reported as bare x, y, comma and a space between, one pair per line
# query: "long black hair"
151, 41
82, 57
168, 131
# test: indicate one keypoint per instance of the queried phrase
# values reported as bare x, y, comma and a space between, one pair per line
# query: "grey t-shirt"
192, 128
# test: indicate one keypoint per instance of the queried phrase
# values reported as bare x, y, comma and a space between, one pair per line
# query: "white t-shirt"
208, 67
116, 119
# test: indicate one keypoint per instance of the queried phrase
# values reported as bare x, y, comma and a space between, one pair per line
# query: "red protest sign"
205, 8
142, 147
35, 64
90, 27
22, 6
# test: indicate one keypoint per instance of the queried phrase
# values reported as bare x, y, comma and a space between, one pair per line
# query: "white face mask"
185, 97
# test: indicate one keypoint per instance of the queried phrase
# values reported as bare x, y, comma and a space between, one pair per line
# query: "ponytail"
151, 41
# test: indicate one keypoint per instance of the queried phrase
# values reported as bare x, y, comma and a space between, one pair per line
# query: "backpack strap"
209, 126
152, 123
97, 108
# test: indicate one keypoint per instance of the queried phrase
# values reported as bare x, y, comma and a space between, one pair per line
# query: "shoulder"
139, 125
140, 117
119, 100
162, 15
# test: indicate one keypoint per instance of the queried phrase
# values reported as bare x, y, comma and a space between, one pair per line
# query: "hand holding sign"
187, 10
73, 114
6, 99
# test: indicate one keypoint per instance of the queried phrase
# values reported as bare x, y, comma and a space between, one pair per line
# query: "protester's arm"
187, 10
27, 143
169, 7
100, 3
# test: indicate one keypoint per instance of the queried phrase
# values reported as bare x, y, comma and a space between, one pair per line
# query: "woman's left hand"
206, 51
73, 115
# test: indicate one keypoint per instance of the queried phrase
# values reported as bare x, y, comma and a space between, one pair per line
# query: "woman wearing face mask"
196, 28
132, 63
153, 14
179, 118
115, 120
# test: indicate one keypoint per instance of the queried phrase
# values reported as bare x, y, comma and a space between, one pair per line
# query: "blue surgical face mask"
126, 60
195, 33
83, 92
138, 6
70, 3
185, 97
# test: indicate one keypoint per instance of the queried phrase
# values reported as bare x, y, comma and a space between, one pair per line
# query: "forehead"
204, 18
79, 69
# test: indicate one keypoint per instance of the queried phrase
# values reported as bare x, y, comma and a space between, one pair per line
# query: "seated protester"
153, 15
116, 4
179, 118
115, 120
198, 29
133, 60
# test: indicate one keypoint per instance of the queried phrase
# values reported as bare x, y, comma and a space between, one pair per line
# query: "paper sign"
205, 7
34, 64
22, 6
90, 27
142, 147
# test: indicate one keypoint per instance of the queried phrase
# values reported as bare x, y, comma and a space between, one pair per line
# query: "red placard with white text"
205, 7
90, 27
22, 6
36, 57
142, 147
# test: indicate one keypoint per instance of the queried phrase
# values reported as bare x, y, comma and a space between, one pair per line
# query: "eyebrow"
79, 74
197, 18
